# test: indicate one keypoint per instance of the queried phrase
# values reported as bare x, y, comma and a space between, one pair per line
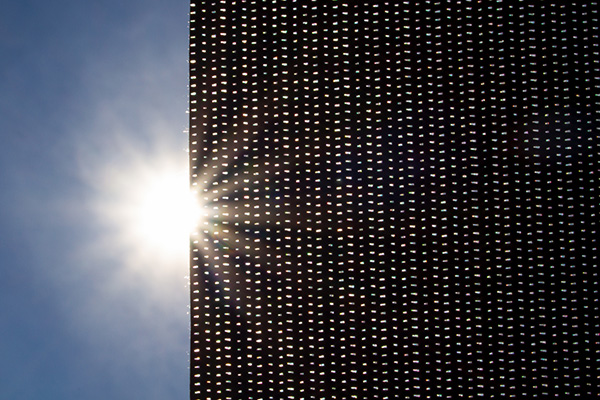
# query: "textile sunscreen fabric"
400, 199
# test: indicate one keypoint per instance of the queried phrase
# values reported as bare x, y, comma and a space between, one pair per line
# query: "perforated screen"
400, 199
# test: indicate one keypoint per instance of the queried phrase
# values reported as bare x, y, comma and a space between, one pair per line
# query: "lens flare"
164, 212
143, 201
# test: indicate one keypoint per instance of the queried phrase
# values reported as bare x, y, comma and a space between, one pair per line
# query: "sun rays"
165, 211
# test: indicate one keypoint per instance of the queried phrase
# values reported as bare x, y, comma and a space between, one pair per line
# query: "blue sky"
92, 106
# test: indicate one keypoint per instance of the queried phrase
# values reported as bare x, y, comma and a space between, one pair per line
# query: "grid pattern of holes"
402, 196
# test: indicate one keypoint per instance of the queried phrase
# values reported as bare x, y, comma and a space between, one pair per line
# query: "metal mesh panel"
401, 199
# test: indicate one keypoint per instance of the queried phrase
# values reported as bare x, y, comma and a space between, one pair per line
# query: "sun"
164, 212
147, 211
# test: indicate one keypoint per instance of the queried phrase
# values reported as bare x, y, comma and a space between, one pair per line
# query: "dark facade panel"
402, 199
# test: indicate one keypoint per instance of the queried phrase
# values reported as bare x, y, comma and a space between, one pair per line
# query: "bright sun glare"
164, 212
148, 208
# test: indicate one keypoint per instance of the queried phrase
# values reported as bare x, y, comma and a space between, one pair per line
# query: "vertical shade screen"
400, 199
